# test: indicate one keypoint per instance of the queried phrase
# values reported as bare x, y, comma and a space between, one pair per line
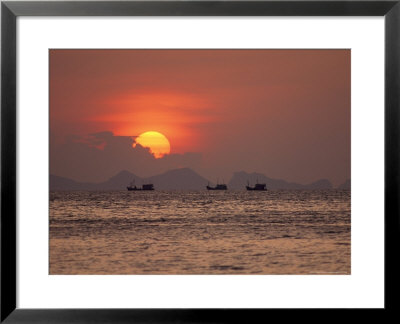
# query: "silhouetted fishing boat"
149, 186
132, 187
258, 187
218, 187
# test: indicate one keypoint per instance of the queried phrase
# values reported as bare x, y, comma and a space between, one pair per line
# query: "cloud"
98, 156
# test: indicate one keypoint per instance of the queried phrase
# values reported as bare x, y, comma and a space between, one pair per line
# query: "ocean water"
200, 232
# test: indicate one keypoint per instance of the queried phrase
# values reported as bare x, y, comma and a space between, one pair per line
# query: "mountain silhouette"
182, 179
60, 183
240, 179
178, 179
120, 181
320, 184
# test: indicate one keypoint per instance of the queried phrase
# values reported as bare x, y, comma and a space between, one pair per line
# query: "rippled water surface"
226, 232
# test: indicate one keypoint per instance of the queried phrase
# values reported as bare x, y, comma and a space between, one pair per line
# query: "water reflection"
231, 232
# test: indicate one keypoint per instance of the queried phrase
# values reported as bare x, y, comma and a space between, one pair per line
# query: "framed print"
177, 161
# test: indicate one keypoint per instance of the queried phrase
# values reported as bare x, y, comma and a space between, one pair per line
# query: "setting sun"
155, 141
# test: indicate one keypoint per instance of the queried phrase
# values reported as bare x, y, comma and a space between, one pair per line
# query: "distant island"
184, 179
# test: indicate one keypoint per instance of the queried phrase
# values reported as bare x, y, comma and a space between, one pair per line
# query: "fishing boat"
257, 187
132, 187
217, 187
149, 186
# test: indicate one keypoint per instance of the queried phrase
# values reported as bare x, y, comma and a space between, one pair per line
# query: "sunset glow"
218, 111
155, 141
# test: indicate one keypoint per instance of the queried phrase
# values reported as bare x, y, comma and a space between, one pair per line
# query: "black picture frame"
10, 10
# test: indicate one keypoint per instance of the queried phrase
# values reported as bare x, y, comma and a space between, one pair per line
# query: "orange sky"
284, 113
